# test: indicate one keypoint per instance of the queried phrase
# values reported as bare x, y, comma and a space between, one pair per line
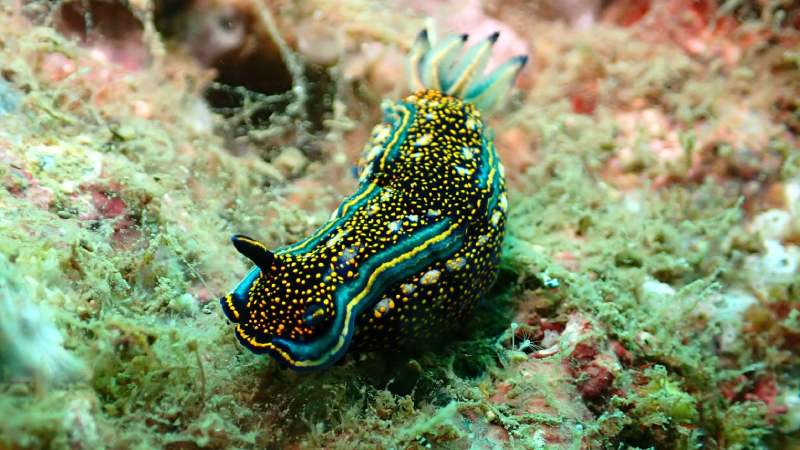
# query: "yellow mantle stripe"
397, 133
350, 305
330, 223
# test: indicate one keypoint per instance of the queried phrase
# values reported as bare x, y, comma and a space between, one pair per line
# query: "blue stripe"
317, 349
496, 189
483, 170
309, 243
240, 293
398, 135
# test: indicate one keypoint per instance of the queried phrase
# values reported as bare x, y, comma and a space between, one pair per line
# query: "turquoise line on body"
346, 292
395, 149
310, 242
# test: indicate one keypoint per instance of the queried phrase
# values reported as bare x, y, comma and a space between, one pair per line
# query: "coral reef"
649, 294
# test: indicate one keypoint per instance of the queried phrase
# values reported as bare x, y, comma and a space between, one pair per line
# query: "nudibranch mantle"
411, 251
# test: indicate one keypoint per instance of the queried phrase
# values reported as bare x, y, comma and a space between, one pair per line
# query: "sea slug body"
417, 244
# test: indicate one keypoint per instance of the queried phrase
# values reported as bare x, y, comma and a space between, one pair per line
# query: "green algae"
662, 401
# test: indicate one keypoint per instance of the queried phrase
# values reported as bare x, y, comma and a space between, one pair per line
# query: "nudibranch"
413, 249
